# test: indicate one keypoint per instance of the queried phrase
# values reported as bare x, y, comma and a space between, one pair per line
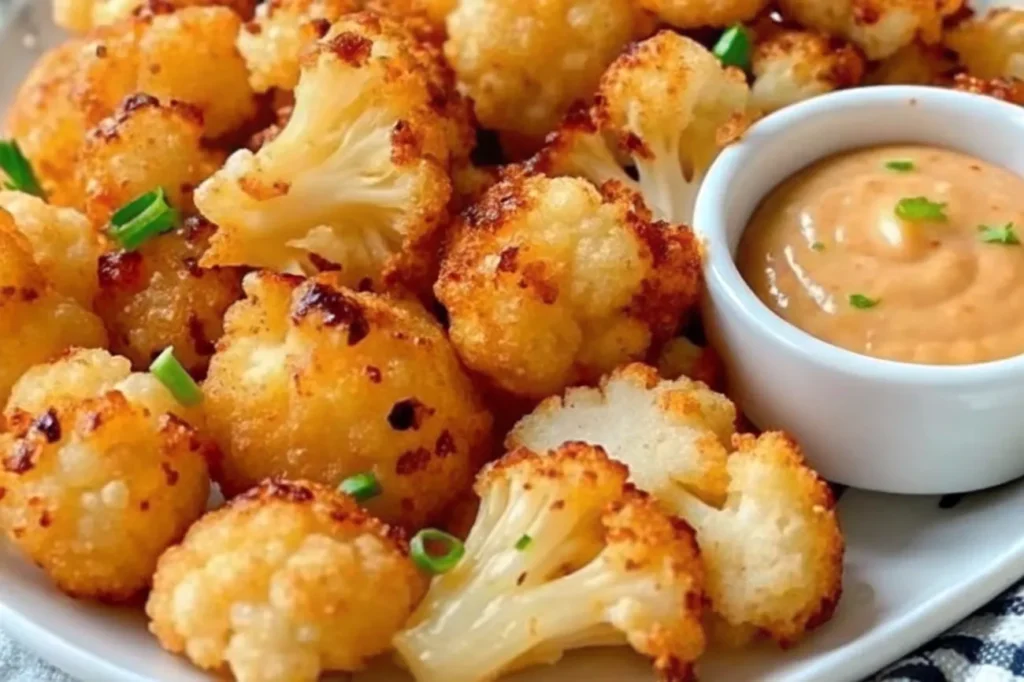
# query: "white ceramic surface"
912, 569
864, 422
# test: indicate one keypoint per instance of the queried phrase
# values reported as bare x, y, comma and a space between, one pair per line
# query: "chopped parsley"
1005, 234
818, 246
862, 302
523, 542
18, 170
917, 209
900, 166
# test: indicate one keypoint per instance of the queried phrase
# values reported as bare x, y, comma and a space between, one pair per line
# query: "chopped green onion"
18, 170
523, 542
863, 302
921, 209
818, 246
171, 374
900, 166
429, 562
362, 487
142, 218
733, 48
998, 235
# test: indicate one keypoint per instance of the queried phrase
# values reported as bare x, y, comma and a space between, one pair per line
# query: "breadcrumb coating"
524, 63
791, 66
158, 296
765, 521
992, 45
312, 380
98, 478
64, 243
682, 358
287, 581
702, 13
915, 64
602, 565
548, 282
81, 16
1009, 90
31, 308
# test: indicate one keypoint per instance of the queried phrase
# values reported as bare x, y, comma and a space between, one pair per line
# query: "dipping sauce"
904, 252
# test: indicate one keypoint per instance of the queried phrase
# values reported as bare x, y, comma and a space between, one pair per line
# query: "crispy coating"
1009, 90
683, 358
765, 522
32, 309
158, 296
915, 64
315, 381
287, 581
358, 177
142, 146
878, 27
81, 16
700, 13
991, 46
550, 281
64, 243
602, 565
560, 48
791, 66
99, 476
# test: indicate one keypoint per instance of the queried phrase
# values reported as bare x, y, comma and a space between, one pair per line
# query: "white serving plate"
913, 568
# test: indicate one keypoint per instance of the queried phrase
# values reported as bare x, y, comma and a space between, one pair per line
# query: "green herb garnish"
16, 167
818, 246
862, 302
440, 563
921, 209
733, 48
523, 542
998, 235
171, 374
361, 487
142, 218
900, 166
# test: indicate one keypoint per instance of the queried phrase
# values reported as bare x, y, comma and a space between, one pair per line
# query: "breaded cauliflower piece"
991, 46
315, 381
142, 146
64, 243
701, 13
580, 147
672, 107
683, 358
81, 16
1007, 89
524, 63
287, 581
915, 64
765, 522
791, 66
563, 555
99, 474
359, 175
36, 321
548, 282
158, 296
878, 27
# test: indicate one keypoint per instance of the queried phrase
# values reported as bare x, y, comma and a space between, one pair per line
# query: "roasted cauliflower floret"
1007, 89
358, 176
158, 296
37, 322
524, 81
287, 581
765, 522
879, 27
681, 357
84, 15
550, 281
915, 64
580, 147
143, 146
672, 106
562, 555
315, 381
791, 66
64, 243
991, 46
701, 13
99, 474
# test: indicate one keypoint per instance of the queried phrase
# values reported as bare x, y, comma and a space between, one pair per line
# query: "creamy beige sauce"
941, 294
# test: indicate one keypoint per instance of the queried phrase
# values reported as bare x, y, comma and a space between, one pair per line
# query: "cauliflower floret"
580, 148
915, 64
683, 358
144, 145
99, 478
562, 555
287, 581
36, 322
358, 176
991, 46
524, 63
879, 27
550, 281
84, 15
791, 66
64, 243
1009, 90
765, 522
700, 13
158, 296
315, 381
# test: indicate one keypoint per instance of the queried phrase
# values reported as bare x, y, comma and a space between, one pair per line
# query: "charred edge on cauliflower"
334, 307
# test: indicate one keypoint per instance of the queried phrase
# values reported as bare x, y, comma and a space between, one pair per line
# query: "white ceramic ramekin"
864, 422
